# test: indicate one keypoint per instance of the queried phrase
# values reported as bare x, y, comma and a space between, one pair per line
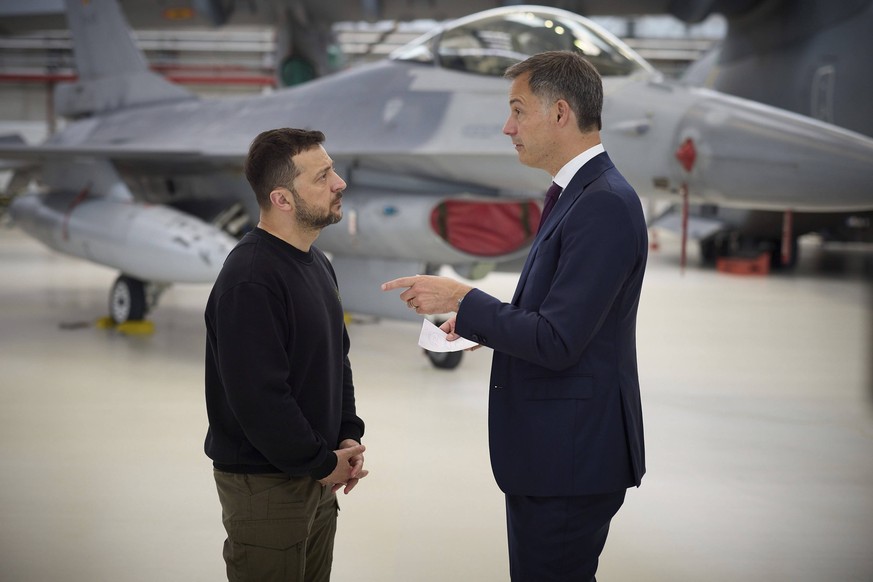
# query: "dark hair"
270, 165
565, 75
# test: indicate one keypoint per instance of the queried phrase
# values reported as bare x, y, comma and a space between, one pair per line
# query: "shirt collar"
565, 174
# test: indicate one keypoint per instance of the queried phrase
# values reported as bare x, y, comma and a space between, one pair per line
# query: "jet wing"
171, 160
50, 152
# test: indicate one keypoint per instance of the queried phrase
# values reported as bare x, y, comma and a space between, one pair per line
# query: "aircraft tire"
127, 300
444, 360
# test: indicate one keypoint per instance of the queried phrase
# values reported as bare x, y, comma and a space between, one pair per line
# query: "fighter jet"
147, 179
804, 56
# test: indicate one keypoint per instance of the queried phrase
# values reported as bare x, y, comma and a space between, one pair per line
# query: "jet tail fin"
113, 71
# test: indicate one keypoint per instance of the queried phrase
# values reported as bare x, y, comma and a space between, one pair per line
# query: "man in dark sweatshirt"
283, 434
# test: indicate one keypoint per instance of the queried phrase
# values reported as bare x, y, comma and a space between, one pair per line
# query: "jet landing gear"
127, 300
130, 300
444, 360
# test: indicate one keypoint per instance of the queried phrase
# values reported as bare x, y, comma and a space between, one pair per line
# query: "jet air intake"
462, 229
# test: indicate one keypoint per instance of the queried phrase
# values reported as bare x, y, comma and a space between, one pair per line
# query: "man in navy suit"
565, 418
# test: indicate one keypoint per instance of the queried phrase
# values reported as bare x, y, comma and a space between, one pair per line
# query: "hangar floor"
757, 393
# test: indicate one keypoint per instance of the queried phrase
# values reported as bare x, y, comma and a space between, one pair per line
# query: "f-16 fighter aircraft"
146, 178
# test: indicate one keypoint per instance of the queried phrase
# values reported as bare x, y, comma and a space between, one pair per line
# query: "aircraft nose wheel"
127, 300
444, 360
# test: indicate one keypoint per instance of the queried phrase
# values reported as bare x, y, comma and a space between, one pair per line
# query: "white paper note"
434, 339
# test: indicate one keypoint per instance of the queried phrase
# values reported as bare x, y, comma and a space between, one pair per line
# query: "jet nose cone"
741, 153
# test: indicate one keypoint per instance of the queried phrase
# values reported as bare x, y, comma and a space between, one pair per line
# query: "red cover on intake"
484, 228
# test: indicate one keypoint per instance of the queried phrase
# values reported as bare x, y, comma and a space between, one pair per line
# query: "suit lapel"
577, 186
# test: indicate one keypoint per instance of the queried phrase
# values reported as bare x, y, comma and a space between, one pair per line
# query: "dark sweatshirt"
279, 392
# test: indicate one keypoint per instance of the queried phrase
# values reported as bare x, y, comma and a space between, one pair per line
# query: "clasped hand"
349, 467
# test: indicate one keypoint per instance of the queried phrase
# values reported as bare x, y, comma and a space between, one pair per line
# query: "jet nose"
737, 152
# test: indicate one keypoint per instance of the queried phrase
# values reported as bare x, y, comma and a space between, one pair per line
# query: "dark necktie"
551, 198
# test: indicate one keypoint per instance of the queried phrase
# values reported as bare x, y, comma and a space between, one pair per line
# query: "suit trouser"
558, 539
279, 528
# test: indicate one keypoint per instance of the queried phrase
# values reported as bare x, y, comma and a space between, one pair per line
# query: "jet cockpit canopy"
489, 42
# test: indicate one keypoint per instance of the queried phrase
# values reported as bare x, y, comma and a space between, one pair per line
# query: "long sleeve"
252, 330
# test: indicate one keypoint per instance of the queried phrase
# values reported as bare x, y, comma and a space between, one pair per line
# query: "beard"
310, 218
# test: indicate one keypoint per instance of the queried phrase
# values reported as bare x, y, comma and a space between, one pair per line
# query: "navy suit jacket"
565, 416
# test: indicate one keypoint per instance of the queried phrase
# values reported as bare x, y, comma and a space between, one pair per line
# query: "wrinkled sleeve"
352, 426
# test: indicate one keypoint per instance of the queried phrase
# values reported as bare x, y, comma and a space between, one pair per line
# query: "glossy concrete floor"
757, 395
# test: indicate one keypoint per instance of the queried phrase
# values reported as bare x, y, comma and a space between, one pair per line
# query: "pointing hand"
427, 294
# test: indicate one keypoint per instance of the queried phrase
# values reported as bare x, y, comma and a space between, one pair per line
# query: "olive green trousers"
279, 528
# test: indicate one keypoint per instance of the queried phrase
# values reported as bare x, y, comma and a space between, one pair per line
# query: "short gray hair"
565, 75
